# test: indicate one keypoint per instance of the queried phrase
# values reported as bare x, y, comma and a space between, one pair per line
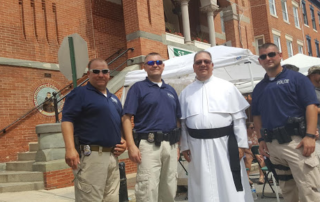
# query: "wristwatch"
260, 139
311, 135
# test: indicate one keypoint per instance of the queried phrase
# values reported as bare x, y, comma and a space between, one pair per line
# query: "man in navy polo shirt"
93, 115
156, 110
284, 106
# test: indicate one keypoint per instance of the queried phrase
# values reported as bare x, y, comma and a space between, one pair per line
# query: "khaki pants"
157, 172
306, 175
97, 178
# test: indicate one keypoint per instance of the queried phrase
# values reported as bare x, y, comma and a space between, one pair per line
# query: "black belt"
145, 136
232, 148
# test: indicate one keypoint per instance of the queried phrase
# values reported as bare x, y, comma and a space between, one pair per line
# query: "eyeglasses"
199, 62
97, 71
270, 55
151, 62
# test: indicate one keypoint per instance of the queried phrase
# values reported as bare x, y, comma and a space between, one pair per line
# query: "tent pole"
251, 77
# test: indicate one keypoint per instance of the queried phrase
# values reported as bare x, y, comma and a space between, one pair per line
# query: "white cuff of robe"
240, 130
184, 143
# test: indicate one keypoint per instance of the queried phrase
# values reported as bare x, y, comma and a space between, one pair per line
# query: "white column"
209, 9
212, 31
185, 21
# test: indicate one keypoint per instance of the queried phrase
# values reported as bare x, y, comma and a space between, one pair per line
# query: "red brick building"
292, 25
32, 32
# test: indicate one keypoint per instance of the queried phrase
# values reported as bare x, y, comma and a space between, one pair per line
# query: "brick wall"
58, 179
264, 22
308, 30
33, 30
18, 85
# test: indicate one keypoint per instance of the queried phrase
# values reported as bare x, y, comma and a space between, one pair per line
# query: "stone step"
20, 166
20, 176
27, 156
20, 186
33, 146
131, 195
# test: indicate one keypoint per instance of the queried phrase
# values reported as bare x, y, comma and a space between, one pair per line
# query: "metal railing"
55, 94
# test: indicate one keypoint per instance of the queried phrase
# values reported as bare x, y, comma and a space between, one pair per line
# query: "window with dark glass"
317, 48
309, 45
313, 19
304, 13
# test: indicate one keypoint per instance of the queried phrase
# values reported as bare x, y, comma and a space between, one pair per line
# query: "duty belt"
87, 149
232, 148
157, 137
150, 136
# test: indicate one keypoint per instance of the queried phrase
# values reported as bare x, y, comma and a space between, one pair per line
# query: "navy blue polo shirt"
96, 118
286, 96
154, 108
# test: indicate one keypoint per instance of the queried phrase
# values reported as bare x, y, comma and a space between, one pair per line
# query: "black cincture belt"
232, 148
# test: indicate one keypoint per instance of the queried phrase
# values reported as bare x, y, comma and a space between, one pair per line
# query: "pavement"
67, 194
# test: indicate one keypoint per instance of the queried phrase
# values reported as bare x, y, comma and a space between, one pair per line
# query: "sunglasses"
97, 71
270, 55
151, 62
199, 62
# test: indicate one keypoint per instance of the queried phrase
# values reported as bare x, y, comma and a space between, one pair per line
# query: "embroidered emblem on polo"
114, 100
170, 95
283, 81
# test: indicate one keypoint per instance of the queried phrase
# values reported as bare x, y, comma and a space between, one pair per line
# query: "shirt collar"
150, 83
279, 76
91, 87
205, 81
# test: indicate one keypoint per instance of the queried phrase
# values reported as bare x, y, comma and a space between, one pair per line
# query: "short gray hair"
203, 51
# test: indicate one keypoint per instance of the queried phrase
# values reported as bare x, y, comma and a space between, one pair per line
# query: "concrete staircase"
19, 176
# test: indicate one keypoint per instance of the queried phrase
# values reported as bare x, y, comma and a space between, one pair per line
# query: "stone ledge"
48, 128
50, 166
47, 155
28, 63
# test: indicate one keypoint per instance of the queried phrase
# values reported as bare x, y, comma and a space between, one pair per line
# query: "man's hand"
241, 153
72, 158
263, 149
134, 154
187, 155
120, 148
308, 145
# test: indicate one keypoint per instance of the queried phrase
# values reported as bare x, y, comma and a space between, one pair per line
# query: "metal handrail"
4, 130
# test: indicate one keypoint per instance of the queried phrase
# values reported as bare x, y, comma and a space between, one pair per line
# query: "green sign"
178, 52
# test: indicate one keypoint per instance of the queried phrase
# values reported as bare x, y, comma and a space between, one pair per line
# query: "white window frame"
289, 48
300, 46
256, 38
300, 49
296, 16
277, 34
223, 29
272, 6
284, 11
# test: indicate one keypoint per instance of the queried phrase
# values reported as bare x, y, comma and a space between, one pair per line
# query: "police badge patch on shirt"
114, 100
170, 95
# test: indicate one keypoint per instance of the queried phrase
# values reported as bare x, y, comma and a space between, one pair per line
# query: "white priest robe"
214, 103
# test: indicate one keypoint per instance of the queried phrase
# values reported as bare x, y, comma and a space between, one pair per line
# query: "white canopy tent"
236, 65
304, 62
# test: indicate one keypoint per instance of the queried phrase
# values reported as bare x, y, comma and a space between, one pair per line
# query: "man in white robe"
213, 125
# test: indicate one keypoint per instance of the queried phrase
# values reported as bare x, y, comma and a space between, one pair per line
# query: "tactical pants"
97, 178
318, 150
157, 172
299, 176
